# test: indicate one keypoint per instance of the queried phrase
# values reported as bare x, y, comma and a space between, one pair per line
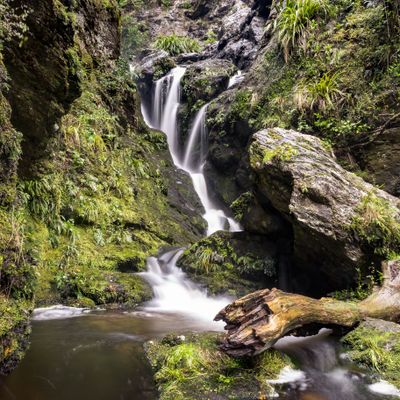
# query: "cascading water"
173, 291
164, 116
236, 79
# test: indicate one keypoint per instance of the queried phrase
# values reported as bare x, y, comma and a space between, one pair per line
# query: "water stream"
81, 355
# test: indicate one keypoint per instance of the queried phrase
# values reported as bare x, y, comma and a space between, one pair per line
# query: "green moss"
193, 367
378, 223
14, 331
241, 205
377, 350
284, 152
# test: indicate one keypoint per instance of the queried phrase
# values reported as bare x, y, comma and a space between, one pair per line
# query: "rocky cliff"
87, 189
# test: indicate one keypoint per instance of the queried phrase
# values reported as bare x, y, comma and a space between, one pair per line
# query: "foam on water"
384, 388
58, 312
288, 375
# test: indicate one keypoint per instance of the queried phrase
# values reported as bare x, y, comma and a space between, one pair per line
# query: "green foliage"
365, 283
378, 222
241, 107
295, 21
12, 22
134, 35
343, 84
194, 368
175, 45
323, 95
377, 350
224, 266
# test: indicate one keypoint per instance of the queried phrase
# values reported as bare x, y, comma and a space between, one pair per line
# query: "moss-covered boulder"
232, 263
191, 367
87, 286
14, 332
375, 345
339, 221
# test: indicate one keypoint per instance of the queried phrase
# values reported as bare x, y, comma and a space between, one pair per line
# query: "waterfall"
173, 291
164, 116
166, 101
196, 147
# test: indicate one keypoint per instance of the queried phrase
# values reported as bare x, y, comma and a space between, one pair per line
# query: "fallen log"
257, 321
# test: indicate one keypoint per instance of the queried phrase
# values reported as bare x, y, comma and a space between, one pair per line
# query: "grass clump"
175, 45
296, 20
378, 223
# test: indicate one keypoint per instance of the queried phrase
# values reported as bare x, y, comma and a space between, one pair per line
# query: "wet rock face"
205, 80
234, 263
46, 70
382, 161
304, 183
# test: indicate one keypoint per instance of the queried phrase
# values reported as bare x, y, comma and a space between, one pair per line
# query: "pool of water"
98, 356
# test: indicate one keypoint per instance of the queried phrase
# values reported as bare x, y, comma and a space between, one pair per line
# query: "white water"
384, 388
164, 116
173, 291
235, 79
57, 312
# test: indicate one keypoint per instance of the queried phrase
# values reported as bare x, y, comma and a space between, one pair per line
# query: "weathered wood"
256, 321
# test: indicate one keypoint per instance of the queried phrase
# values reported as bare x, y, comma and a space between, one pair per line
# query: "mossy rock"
232, 263
192, 367
14, 332
375, 345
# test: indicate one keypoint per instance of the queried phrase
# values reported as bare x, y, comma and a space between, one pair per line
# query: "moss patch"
376, 346
14, 332
192, 368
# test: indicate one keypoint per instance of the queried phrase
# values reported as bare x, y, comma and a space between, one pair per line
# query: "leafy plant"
295, 21
323, 94
207, 258
175, 45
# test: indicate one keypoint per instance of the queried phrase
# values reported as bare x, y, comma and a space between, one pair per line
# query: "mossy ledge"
191, 367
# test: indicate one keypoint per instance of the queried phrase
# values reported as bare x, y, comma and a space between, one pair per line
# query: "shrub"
175, 45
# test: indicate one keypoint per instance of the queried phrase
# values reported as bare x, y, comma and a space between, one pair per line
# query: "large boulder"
340, 222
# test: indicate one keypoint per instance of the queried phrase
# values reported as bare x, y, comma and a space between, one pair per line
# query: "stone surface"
304, 183
233, 263
382, 160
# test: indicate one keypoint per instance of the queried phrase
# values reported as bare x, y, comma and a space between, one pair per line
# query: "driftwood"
258, 320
